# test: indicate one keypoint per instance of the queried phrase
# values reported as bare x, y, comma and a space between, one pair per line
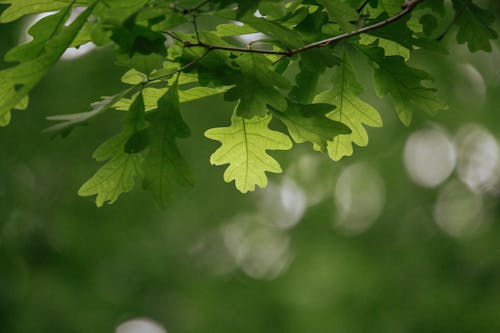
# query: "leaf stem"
201, 4
186, 11
363, 5
195, 25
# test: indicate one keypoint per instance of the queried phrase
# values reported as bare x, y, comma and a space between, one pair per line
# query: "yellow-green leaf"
244, 147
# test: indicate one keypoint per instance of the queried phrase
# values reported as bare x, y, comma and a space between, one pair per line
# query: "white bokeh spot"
429, 157
140, 325
359, 198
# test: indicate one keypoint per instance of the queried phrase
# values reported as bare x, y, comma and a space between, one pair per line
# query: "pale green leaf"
232, 29
152, 95
244, 146
351, 111
133, 77
118, 174
19, 8
115, 177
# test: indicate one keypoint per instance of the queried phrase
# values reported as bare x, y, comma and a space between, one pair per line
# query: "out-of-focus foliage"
403, 238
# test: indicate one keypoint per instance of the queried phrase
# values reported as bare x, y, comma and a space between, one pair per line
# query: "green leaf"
257, 87
474, 25
5, 119
231, 30
351, 110
164, 167
133, 38
244, 146
41, 32
17, 81
437, 6
118, 174
283, 36
19, 8
341, 13
137, 142
247, 6
152, 95
312, 64
400, 34
115, 177
390, 7
404, 83
390, 48
67, 121
134, 77
308, 123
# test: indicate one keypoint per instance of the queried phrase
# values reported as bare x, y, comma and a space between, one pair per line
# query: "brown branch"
233, 48
407, 8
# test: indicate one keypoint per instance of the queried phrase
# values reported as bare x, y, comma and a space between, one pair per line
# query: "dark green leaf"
164, 166
308, 123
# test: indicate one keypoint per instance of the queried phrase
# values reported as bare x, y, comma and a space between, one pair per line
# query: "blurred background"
402, 237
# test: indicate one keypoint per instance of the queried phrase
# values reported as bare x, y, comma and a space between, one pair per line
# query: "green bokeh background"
66, 266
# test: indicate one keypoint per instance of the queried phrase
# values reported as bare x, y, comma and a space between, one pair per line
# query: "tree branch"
407, 8
233, 48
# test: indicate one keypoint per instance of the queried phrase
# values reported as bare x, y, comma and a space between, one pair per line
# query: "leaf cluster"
267, 57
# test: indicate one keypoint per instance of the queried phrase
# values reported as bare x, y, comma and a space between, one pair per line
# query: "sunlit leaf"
244, 146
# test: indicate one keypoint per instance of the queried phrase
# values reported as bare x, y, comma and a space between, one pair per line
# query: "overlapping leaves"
50, 39
121, 169
183, 50
351, 110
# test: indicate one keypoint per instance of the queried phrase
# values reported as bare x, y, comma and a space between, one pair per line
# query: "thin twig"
195, 61
174, 36
186, 11
407, 8
195, 8
232, 48
452, 23
195, 25
363, 5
